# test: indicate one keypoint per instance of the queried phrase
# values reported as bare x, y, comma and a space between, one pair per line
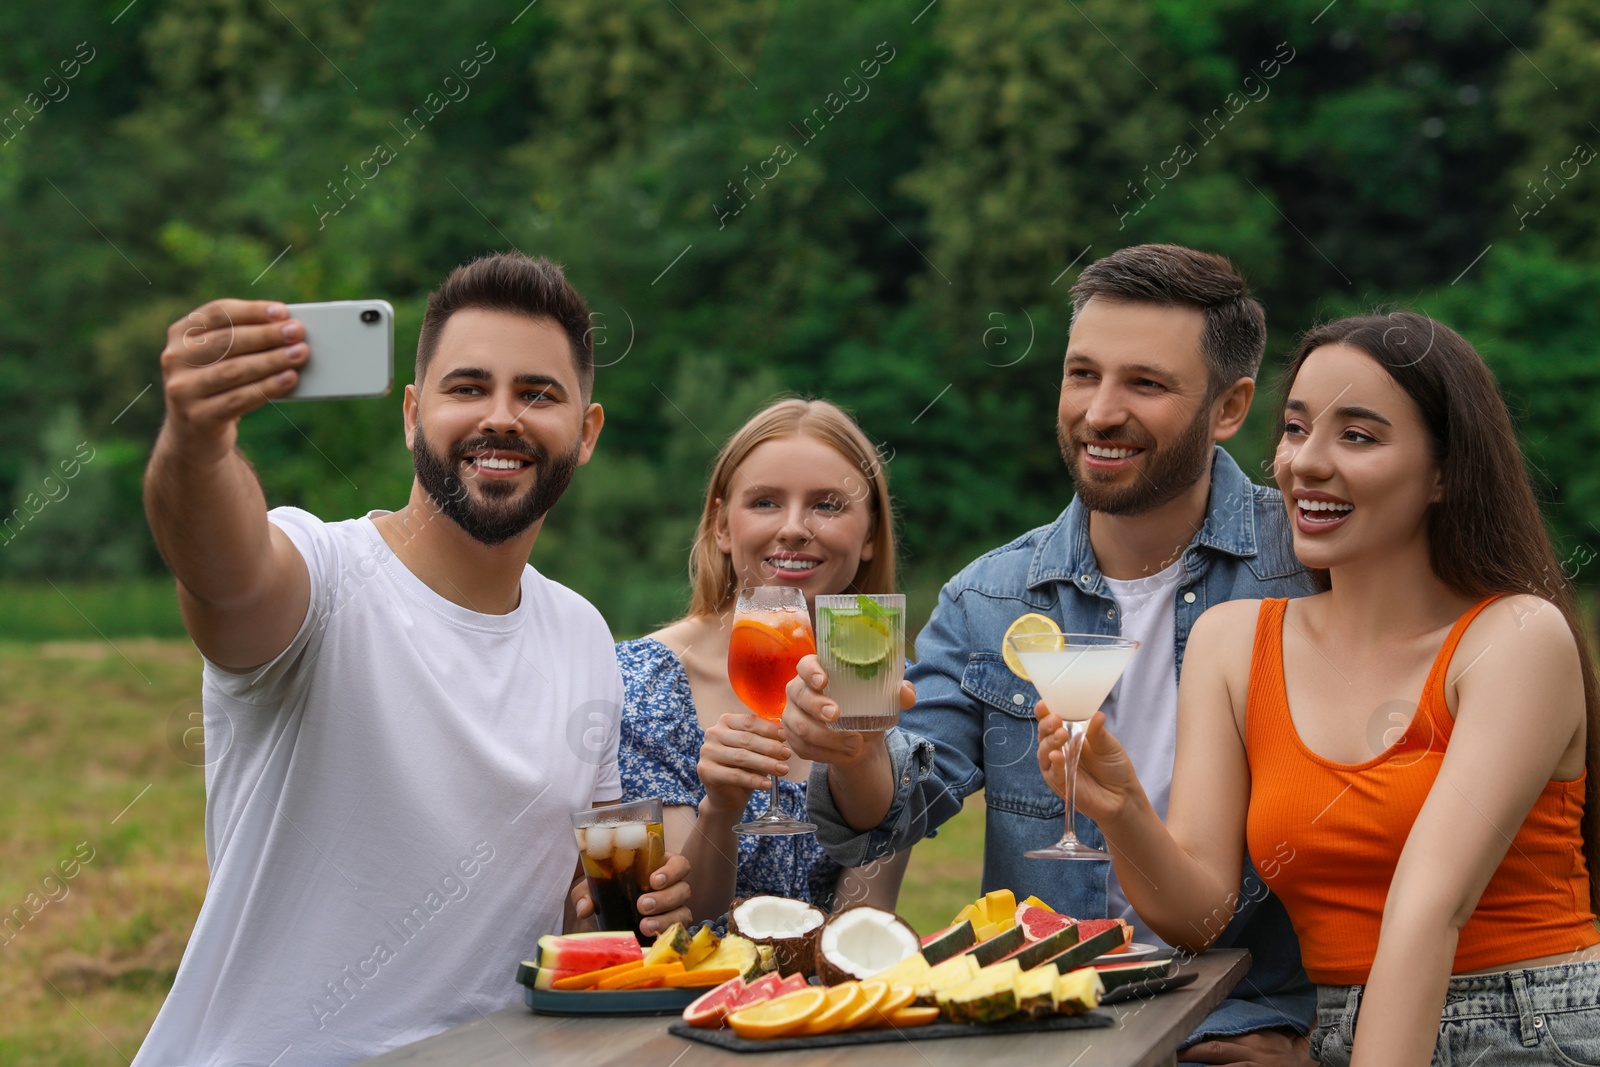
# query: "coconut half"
861, 941
788, 927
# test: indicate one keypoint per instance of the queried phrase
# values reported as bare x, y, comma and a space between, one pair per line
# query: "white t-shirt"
1142, 710
387, 811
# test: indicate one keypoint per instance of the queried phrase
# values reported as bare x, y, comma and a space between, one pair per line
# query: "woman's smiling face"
798, 513
1356, 462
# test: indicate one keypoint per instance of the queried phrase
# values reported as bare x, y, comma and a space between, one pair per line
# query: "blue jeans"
1540, 1015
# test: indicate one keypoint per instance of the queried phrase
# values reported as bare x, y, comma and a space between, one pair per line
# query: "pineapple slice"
1036, 991
702, 945
952, 972
1078, 990
910, 971
735, 952
669, 947
987, 998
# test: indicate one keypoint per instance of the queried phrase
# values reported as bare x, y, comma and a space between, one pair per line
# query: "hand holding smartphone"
352, 349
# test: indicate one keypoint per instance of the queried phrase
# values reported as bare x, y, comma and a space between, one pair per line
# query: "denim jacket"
973, 727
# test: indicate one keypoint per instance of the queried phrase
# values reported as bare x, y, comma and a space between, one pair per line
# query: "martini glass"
1074, 673
771, 632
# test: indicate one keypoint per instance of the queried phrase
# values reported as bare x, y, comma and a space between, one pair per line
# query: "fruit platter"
787, 975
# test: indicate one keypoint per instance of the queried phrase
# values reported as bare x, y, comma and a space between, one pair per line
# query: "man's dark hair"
1235, 334
511, 281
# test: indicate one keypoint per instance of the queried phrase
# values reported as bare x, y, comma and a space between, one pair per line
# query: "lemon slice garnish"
1030, 625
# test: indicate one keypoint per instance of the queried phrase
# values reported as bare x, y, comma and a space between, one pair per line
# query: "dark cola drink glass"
621, 846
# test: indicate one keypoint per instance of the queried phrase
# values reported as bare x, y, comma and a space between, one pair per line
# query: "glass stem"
1076, 732
773, 811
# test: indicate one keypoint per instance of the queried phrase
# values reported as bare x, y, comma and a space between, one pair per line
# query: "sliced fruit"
909, 971
952, 972
701, 946
1036, 991
1031, 955
1029, 625
670, 946
860, 941
912, 1016
842, 999
951, 941
1039, 923
791, 927
764, 988
899, 996
859, 643
544, 977
1033, 902
1000, 906
1084, 951
872, 994
710, 1010
1087, 928
987, 998
775, 1018
704, 978
998, 947
971, 913
591, 979
738, 953
792, 983
641, 977
1113, 975
1078, 990
587, 952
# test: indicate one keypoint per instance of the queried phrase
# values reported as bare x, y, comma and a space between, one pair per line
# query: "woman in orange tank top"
1437, 856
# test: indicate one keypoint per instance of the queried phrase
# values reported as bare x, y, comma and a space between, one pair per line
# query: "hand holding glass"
771, 633
1074, 673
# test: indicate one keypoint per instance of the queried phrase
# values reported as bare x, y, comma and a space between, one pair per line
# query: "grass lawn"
101, 777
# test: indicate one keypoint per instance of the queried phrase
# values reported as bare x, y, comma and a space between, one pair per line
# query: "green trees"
881, 203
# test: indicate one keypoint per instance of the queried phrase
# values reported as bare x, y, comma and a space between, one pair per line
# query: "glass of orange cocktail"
771, 631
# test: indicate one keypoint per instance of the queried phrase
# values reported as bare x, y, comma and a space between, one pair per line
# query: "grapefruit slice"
764, 988
710, 1010
1039, 923
1087, 928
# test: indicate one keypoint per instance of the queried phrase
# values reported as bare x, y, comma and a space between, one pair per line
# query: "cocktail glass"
621, 845
861, 642
771, 632
1074, 673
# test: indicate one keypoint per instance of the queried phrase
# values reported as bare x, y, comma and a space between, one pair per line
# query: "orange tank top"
1334, 832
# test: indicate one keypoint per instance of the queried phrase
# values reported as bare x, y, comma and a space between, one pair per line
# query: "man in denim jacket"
1160, 365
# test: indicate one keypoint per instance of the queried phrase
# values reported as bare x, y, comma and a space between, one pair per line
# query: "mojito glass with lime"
861, 641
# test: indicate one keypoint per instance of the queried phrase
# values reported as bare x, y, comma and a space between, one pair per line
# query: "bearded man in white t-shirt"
400, 711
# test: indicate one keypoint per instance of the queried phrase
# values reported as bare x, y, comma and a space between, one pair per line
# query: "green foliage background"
910, 259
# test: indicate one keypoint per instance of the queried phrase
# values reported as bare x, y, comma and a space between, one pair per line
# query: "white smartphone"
352, 349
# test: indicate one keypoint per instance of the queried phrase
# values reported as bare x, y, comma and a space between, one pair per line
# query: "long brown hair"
711, 575
1486, 535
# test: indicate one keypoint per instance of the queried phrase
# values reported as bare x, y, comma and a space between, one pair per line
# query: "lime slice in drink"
859, 643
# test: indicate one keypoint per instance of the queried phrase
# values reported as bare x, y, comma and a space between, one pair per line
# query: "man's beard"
503, 515
1171, 470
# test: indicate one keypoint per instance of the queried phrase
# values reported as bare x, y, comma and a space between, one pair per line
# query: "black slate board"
727, 1039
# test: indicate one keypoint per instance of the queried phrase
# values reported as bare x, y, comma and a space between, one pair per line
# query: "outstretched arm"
1183, 877
242, 584
1519, 722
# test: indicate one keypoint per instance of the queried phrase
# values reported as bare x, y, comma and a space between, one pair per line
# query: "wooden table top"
1147, 1034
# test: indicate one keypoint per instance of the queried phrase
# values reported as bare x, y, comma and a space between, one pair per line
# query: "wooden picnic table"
1147, 1033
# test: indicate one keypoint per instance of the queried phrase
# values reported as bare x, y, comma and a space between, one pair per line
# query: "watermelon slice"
998, 947
578, 953
1120, 974
1034, 953
1039, 923
1088, 928
710, 1009
1085, 950
951, 941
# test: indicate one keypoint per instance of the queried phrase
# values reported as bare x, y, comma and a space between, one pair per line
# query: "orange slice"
872, 994
895, 998
590, 979
640, 977
909, 1016
842, 999
775, 1018
705, 977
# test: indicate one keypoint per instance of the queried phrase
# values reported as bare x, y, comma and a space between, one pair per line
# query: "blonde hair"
711, 576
